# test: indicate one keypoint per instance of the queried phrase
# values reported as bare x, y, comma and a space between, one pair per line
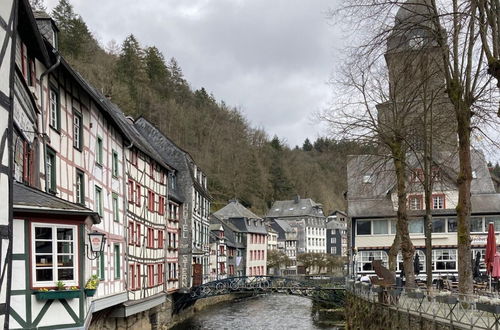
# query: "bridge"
324, 289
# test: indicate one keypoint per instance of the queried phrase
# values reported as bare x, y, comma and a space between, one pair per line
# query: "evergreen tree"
307, 146
38, 5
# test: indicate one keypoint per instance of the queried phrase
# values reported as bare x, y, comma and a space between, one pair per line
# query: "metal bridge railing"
465, 311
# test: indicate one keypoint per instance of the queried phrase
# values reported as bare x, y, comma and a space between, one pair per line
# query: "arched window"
365, 258
421, 256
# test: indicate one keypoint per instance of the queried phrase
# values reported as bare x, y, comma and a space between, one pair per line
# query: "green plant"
60, 285
92, 282
43, 289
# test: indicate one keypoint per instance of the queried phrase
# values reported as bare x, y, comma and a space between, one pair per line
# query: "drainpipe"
44, 134
125, 232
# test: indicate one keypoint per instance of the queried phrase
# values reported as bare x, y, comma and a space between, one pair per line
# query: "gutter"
44, 134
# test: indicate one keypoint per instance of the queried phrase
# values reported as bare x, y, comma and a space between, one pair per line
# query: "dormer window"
417, 175
474, 174
367, 178
415, 202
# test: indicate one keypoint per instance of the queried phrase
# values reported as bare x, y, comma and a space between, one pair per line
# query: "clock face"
416, 42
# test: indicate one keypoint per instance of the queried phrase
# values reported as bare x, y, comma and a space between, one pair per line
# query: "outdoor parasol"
491, 249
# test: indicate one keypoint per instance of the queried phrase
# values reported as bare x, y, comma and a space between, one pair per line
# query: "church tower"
417, 99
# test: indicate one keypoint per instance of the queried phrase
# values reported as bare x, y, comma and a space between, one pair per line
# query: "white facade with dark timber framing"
8, 20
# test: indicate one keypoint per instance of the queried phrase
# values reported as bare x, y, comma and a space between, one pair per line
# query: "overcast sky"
272, 59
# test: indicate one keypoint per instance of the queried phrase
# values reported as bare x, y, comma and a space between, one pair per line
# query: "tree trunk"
465, 284
407, 249
393, 251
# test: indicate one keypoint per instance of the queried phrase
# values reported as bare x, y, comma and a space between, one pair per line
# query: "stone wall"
158, 318
367, 315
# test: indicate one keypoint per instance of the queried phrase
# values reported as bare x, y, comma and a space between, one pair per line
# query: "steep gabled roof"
295, 208
235, 210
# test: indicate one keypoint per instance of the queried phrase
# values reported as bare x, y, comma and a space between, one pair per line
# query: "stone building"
306, 216
287, 243
414, 62
250, 231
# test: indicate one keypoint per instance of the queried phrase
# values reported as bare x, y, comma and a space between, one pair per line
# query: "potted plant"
415, 294
91, 285
489, 305
446, 297
61, 292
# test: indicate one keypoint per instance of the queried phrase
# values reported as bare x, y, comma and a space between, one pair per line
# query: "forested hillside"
241, 161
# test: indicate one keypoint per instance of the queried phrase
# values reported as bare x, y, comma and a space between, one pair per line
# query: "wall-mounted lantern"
97, 241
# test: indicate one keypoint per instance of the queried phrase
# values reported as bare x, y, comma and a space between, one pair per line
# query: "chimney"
47, 27
296, 199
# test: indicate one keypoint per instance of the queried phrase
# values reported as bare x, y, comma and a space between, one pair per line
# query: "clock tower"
416, 80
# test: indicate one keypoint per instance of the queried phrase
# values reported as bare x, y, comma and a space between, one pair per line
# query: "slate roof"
281, 227
28, 199
235, 210
169, 151
249, 225
374, 199
229, 231
295, 208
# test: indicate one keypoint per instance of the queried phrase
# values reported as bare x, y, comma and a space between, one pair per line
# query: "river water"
261, 312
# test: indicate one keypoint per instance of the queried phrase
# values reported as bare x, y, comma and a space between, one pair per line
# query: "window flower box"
59, 294
487, 307
90, 292
447, 299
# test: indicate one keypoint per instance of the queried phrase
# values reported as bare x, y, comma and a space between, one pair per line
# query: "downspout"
125, 232
44, 134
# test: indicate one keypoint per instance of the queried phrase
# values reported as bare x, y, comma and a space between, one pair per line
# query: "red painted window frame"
421, 202
132, 279
160, 239
131, 233
151, 200
151, 275
444, 200
138, 270
131, 192
137, 234
160, 273
161, 205
137, 194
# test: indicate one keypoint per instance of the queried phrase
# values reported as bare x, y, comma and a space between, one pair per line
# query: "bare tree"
450, 27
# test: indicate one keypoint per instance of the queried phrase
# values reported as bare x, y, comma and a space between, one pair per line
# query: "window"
151, 238
137, 234
380, 227
476, 225
160, 273
368, 178
51, 171
421, 258
80, 187
54, 249
416, 226
131, 278
438, 225
495, 220
101, 270
98, 151
117, 261
138, 274
436, 174
173, 181
452, 225
365, 258
137, 194
131, 233
77, 131
444, 260
131, 191
116, 208
482, 254
160, 239
438, 202
474, 174
363, 227
161, 205
98, 201
151, 275
54, 108
31, 71
114, 165
151, 201
415, 202
133, 157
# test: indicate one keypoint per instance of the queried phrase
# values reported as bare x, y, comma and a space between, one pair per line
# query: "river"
262, 312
